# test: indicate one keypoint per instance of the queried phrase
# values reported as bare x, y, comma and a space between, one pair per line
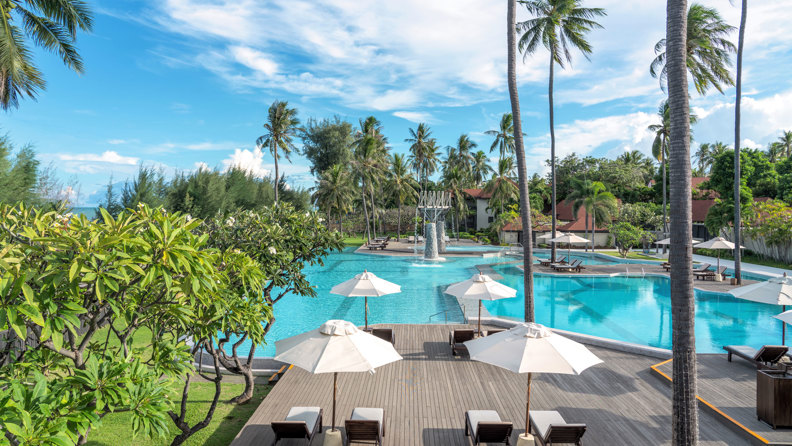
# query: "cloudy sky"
184, 83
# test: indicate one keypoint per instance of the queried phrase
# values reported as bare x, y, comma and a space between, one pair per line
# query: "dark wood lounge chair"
457, 337
384, 333
768, 355
301, 422
709, 275
550, 428
549, 262
576, 265
366, 425
485, 426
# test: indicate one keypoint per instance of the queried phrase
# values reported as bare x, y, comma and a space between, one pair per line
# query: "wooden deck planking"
425, 397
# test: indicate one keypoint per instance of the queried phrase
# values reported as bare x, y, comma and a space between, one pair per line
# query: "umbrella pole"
783, 328
479, 321
528, 408
366, 303
335, 390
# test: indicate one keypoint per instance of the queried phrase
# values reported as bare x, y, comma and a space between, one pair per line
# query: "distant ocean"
89, 212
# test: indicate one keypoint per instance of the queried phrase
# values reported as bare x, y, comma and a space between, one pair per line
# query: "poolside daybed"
550, 428
709, 275
485, 426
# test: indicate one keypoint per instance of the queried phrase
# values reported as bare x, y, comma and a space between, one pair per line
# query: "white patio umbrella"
364, 285
337, 346
665, 241
775, 291
716, 243
569, 238
481, 287
532, 348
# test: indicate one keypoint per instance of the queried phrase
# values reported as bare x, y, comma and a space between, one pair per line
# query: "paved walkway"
426, 394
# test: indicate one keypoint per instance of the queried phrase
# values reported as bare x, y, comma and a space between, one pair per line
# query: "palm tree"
708, 51
50, 24
685, 410
786, 143
465, 152
558, 25
775, 151
480, 167
402, 185
707, 154
597, 202
334, 192
370, 152
737, 182
454, 182
660, 152
282, 125
421, 139
504, 137
637, 160
501, 187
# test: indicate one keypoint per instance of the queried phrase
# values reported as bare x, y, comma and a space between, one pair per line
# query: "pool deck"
425, 396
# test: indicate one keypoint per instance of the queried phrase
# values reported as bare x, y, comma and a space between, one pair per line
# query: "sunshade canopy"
365, 284
665, 241
775, 291
481, 287
716, 243
532, 348
569, 238
786, 316
336, 346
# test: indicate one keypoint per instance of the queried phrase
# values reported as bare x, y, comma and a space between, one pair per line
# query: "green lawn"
228, 419
746, 258
355, 240
631, 255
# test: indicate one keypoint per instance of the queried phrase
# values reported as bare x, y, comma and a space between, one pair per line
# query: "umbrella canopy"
336, 346
716, 243
665, 241
364, 285
569, 238
481, 287
546, 236
775, 291
532, 348
786, 317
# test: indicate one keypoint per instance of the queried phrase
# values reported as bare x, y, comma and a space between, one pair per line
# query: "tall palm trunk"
525, 204
593, 228
275, 156
587, 231
552, 155
737, 203
665, 211
685, 410
365, 211
373, 211
398, 221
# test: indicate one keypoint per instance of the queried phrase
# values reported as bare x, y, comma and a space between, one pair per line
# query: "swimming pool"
632, 309
637, 309
483, 248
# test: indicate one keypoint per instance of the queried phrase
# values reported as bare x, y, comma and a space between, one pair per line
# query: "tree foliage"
626, 236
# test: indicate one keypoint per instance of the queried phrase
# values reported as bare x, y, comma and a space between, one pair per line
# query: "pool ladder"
445, 314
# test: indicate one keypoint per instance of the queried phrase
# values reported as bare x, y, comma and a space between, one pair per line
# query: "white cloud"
204, 146
251, 161
116, 141
253, 59
200, 165
109, 157
414, 116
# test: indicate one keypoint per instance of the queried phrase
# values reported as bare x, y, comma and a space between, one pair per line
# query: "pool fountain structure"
433, 207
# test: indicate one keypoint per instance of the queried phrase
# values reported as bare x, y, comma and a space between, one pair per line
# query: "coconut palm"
594, 198
370, 151
480, 167
737, 173
504, 137
522, 172
708, 51
402, 185
559, 26
775, 152
707, 153
422, 152
465, 152
454, 180
660, 152
50, 24
282, 125
637, 160
501, 187
334, 192
786, 143
685, 409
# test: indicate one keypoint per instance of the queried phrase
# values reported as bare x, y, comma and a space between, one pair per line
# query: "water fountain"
433, 206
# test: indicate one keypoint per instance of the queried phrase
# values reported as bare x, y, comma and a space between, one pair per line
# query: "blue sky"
183, 83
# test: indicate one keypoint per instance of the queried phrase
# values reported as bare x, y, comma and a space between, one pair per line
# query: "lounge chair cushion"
369, 413
481, 416
309, 415
542, 419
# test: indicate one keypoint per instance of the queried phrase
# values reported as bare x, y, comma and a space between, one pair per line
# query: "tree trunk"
685, 408
373, 212
552, 156
737, 202
587, 232
275, 157
593, 228
665, 212
365, 212
398, 222
525, 204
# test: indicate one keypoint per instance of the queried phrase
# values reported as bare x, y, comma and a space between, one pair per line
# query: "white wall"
482, 214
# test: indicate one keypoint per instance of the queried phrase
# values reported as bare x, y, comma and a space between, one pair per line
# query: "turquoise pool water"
638, 310
632, 309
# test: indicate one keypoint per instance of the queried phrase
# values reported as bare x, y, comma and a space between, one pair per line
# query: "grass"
631, 255
746, 258
355, 240
228, 418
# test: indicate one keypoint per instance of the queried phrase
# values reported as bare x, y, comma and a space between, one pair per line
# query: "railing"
445, 314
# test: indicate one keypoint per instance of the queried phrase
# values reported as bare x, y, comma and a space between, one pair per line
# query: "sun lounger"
457, 337
709, 275
768, 355
367, 424
574, 266
701, 268
550, 428
301, 422
384, 333
485, 426
551, 263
